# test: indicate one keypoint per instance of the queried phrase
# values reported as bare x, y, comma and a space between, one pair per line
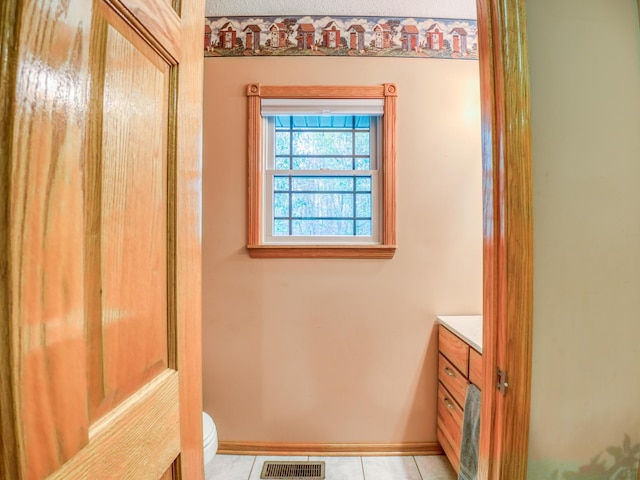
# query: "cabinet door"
100, 240
475, 368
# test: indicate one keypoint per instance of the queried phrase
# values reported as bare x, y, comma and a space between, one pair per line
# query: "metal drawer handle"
449, 372
448, 403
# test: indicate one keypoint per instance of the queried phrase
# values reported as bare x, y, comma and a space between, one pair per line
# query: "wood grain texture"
11, 451
455, 349
450, 416
188, 280
452, 390
317, 251
490, 195
449, 449
322, 91
168, 475
254, 167
133, 205
508, 239
149, 420
454, 381
67, 193
329, 449
42, 266
155, 22
475, 368
389, 156
93, 217
255, 246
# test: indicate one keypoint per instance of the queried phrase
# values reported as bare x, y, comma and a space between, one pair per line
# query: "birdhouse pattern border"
341, 36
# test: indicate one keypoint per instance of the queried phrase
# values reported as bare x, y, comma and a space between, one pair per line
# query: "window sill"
322, 251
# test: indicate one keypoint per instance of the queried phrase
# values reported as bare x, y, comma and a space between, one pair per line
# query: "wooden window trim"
255, 246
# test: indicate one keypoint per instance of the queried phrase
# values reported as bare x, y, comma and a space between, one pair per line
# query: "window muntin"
321, 179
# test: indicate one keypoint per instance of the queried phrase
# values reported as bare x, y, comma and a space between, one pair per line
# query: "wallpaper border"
348, 36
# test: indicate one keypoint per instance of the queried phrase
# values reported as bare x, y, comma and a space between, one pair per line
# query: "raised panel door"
100, 240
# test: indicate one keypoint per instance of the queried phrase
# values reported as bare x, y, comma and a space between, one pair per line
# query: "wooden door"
353, 41
100, 373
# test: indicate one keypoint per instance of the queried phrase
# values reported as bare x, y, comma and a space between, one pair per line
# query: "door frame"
507, 235
507, 238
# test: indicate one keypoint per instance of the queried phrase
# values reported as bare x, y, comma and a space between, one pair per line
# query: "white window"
321, 172
321, 181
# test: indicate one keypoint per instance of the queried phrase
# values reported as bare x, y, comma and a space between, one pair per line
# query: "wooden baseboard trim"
330, 449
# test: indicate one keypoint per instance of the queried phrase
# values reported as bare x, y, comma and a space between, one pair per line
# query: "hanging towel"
470, 435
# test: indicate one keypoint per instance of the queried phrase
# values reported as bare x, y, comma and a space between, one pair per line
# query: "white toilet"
210, 438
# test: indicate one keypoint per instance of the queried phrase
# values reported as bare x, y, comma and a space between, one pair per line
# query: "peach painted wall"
585, 102
304, 350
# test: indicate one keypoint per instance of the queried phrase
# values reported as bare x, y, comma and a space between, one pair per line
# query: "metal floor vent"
293, 470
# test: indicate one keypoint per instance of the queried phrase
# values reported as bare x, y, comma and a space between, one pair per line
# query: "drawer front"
454, 349
449, 450
475, 368
452, 379
450, 419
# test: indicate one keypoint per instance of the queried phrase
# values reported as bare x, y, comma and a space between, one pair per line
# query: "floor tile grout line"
255, 458
417, 466
422, 475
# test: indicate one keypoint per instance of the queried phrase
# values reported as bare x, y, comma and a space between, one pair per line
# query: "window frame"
270, 172
256, 246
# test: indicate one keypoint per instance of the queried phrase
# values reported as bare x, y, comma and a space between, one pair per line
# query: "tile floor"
245, 467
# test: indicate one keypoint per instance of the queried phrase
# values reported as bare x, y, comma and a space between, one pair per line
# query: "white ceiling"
463, 9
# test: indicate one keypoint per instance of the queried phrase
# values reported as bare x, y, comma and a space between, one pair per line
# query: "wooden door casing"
507, 238
100, 239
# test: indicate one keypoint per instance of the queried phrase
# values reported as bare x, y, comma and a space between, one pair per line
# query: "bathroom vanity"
459, 363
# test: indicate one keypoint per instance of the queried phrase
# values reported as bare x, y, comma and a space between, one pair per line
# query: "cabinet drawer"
450, 419
449, 450
452, 379
475, 368
454, 349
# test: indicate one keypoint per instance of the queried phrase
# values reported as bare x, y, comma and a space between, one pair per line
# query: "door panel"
100, 373
134, 220
138, 440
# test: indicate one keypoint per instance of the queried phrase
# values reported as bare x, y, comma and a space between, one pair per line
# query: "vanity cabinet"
459, 364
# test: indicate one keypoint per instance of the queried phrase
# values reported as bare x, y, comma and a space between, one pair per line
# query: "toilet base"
210, 438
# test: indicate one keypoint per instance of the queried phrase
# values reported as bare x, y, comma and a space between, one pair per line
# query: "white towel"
470, 435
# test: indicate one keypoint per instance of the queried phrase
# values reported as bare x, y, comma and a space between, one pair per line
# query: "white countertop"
467, 327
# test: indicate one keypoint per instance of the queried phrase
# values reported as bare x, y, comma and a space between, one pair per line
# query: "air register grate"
293, 470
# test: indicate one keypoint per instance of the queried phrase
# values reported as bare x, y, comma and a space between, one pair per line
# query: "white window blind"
314, 106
